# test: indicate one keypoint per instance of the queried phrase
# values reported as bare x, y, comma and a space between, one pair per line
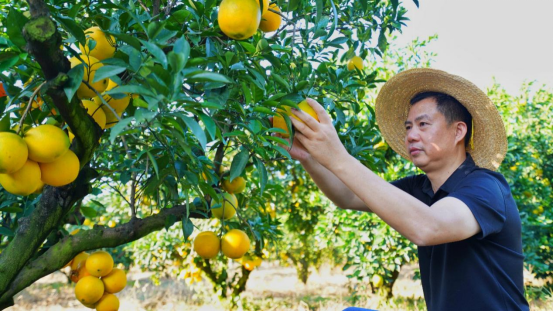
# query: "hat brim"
393, 104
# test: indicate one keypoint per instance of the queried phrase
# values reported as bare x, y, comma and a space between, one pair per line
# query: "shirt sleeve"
484, 197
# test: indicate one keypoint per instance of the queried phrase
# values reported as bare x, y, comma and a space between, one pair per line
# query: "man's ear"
461, 131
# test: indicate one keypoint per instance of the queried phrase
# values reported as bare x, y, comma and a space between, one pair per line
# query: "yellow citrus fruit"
24, 181
271, 21
249, 265
79, 273
92, 65
355, 62
46, 143
13, 152
377, 280
112, 223
78, 260
228, 207
115, 281
99, 263
111, 120
108, 302
265, 5
62, 171
89, 290
234, 187
305, 107
280, 122
235, 243
40, 186
97, 113
239, 19
105, 46
257, 261
119, 104
206, 244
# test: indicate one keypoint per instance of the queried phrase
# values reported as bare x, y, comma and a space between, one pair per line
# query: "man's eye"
408, 127
421, 124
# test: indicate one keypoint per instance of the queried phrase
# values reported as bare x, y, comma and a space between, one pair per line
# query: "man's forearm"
409, 216
333, 187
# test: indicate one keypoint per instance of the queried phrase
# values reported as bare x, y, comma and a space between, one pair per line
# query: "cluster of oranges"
233, 244
240, 19
103, 48
97, 280
41, 157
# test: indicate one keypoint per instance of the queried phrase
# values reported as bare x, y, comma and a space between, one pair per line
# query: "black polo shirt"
485, 271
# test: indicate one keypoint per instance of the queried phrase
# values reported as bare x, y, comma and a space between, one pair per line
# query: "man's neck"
438, 177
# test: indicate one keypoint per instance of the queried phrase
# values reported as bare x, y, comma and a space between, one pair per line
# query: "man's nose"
412, 136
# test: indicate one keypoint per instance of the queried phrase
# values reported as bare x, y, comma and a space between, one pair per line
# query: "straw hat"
393, 104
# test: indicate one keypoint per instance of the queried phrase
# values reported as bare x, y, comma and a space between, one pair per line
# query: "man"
460, 213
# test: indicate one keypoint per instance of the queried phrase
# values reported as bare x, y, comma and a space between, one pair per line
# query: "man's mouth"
414, 151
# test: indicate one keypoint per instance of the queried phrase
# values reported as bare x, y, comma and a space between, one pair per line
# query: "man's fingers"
320, 111
300, 125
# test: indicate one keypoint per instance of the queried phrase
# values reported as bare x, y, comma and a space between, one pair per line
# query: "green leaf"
154, 163
209, 123
195, 128
156, 52
280, 81
282, 151
119, 127
75, 78
5, 123
131, 89
239, 163
169, 221
72, 27
11, 209
176, 61
107, 71
8, 61
206, 76
319, 10
335, 21
15, 23
88, 212
262, 173
182, 46
130, 40
382, 43
188, 228
5, 231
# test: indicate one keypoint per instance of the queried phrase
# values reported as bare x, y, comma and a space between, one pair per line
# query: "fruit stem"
28, 108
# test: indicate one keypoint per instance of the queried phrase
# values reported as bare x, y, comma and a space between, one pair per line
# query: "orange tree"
200, 101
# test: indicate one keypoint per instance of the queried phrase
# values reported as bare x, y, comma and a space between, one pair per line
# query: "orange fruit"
119, 104
80, 258
355, 62
46, 143
235, 243
13, 152
105, 46
206, 244
239, 19
234, 187
62, 171
81, 272
115, 281
24, 181
92, 65
89, 290
270, 21
108, 302
99, 263
228, 207
94, 110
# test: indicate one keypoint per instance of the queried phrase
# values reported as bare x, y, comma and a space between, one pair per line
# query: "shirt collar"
450, 184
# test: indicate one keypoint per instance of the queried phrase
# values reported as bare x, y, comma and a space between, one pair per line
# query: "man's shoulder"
481, 177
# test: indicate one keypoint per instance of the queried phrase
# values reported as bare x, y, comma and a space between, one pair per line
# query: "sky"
511, 40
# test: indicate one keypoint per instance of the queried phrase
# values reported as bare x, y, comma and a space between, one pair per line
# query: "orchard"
143, 134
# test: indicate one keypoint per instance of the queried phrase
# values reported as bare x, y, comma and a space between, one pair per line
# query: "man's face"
429, 140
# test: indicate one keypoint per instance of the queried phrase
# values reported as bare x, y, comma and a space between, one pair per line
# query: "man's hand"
297, 151
319, 139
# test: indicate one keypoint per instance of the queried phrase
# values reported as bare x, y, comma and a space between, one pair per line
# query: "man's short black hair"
451, 108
